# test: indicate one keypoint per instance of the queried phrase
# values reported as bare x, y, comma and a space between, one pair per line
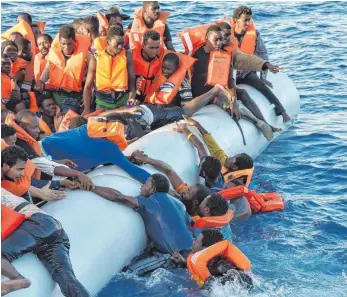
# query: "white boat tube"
105, 236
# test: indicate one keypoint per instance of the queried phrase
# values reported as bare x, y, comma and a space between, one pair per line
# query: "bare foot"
14, 285
265, 129
286, 117
274, 129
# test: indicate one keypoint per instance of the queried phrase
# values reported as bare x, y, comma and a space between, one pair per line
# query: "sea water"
303, 250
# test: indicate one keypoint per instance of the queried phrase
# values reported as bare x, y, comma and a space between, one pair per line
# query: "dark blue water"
303, 250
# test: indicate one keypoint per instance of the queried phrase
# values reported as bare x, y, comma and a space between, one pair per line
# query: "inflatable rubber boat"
104, 235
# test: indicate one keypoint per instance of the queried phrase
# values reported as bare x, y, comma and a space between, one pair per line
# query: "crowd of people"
74, 102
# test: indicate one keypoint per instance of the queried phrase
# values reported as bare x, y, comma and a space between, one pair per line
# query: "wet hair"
213, 28
160, 182
25, 113
12, 155
211, 237
171, 57
224, 26
49, 37
114, 32
42, 98
243, 161
7, 131
77, 23
240, 11
11, 104
212, 167
92, 24
67, 32
150, 34
27, 17
17, 34
6, 43
22, 43
145, 4
117, 118
217, 204
201, 193
77, 122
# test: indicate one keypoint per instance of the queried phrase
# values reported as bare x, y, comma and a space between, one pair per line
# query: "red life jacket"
213, 221
10, 221
219, 68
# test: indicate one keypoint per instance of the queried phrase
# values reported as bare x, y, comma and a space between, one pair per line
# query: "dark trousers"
254, 81
44, 236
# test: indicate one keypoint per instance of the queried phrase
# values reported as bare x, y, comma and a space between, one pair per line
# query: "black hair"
67, 32
211, 237
217, 204
224, 25
160, 182
42, 98
172, 58
117, 118
213, 28
77, 122
151, 34
145, 4
7, 131
49, 37
22, 43
34, 26
114, 32
212, 167
27, 17
201, 193
77, 23
243, 161
6, 43
11, 104
4, 114
243, 9
25, 113
92, 24
12, 155
18, 34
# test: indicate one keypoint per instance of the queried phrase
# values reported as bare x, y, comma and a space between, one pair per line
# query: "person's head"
226, 32
36, 30
210, 168
24, 48
5, 64
239, 162
15, 105
10, 49
91, 23
213, 205
151, 44
115, 40
13, 162
242, 17
29, 122
214, 38
207, 238
8, 134
4, 114
193, 196
156, 183
25, 17
115, 15
44, 42
67, 40
47, 105
77, 122
151, 10
78, 26
170, 64
14, 35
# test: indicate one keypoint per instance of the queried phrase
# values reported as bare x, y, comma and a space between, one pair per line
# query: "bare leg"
195, 104
8, 270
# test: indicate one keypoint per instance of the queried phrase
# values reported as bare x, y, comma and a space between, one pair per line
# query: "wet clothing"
241, 207
164, 115
220, 180
167, 223
89, 152
226, 231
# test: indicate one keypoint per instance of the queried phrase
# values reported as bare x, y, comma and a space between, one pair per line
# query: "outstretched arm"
115, 196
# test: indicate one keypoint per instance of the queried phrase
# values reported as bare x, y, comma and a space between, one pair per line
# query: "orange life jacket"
21, 186
213, 221
64, 125
103, 22
231, 175
259, 202
22, 134
24, 28
68, 74
10, 221
156, 94
18, 65
197, 262
7, 85
42, 26
218, 68
248, 41
33, 102
149, 70
111, 72
100, 127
